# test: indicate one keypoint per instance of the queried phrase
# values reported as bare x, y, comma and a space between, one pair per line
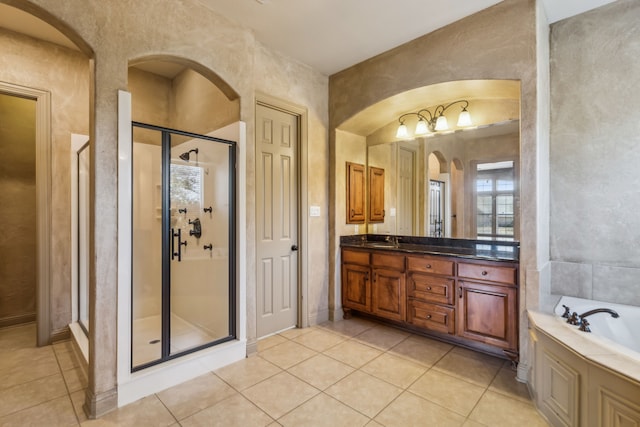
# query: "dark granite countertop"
461, 248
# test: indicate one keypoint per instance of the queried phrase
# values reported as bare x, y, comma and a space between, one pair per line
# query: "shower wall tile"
572, 279
616, 284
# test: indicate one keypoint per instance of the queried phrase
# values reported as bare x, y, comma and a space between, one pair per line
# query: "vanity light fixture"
429, 123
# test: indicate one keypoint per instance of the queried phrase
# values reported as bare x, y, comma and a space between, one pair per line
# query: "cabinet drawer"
388, 261
355, 257
430, 265
431, 316
430, 288
488, 272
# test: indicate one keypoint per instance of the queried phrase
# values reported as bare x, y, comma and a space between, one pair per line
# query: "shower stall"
183, 267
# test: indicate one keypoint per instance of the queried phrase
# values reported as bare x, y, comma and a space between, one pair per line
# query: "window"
495, 197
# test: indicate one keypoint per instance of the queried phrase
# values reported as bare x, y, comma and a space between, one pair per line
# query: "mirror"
457, 185
461, 183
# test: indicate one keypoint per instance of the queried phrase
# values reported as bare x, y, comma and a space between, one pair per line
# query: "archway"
31, 47
179, 137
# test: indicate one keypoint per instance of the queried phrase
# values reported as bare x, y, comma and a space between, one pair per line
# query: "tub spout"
613, 313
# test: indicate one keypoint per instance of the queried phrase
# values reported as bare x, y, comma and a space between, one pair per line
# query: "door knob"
294, 247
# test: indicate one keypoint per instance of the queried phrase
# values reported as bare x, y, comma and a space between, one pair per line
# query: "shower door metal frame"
166, 245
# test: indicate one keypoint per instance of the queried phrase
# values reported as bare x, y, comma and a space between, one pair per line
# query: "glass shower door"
199, 199
183, 282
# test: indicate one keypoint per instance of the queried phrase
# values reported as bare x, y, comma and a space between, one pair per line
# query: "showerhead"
185, 156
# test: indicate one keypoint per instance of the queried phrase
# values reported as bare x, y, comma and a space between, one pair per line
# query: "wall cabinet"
355, 193
376, 194
470, 302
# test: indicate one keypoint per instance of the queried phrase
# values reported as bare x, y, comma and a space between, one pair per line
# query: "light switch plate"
392, 212
314, 211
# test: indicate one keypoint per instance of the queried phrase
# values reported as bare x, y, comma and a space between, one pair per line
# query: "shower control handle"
197, 228
294, 248
177, 253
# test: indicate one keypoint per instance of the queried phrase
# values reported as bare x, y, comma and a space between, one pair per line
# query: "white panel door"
277, 220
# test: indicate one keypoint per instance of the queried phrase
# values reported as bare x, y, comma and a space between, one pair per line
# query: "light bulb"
402, 131
464, 120
441, 123
421, 127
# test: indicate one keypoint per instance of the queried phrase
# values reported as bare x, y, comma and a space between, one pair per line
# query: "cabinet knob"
428, 266
428, 288
485, 272
428, 316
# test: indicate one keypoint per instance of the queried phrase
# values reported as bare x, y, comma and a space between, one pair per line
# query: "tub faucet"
584, 323
613, 313
584, 326
573, 319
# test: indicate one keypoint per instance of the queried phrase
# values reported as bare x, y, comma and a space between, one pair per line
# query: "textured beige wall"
595, 140
299, 84
65, 73
18, 210
151, 99
349, 148
118, 32
199, 106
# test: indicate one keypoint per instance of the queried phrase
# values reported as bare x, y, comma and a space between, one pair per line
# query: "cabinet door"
488, 314
356, 288
355, 193
388, 290
376, 194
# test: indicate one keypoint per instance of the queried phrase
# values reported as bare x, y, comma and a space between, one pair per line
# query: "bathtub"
622, 333
586, 378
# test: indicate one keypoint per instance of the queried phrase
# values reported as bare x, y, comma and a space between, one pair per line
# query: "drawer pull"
428, 266
428, 316
485, 272
428, 288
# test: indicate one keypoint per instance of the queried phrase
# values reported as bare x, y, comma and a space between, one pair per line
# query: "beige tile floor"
346, 373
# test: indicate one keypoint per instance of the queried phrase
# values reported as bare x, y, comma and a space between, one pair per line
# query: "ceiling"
331, 35
328, 35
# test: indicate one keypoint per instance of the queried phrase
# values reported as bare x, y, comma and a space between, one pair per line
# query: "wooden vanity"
468, 299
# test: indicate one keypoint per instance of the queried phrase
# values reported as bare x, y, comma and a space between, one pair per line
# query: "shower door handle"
178, 254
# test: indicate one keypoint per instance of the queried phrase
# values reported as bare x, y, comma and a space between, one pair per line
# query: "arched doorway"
31, 41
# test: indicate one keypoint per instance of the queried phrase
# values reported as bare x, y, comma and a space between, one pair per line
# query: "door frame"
301, 113
43, 204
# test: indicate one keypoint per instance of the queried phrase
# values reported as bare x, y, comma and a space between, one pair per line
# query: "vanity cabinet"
388, 286
430, 289
356, 287
487, 304
465, 301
